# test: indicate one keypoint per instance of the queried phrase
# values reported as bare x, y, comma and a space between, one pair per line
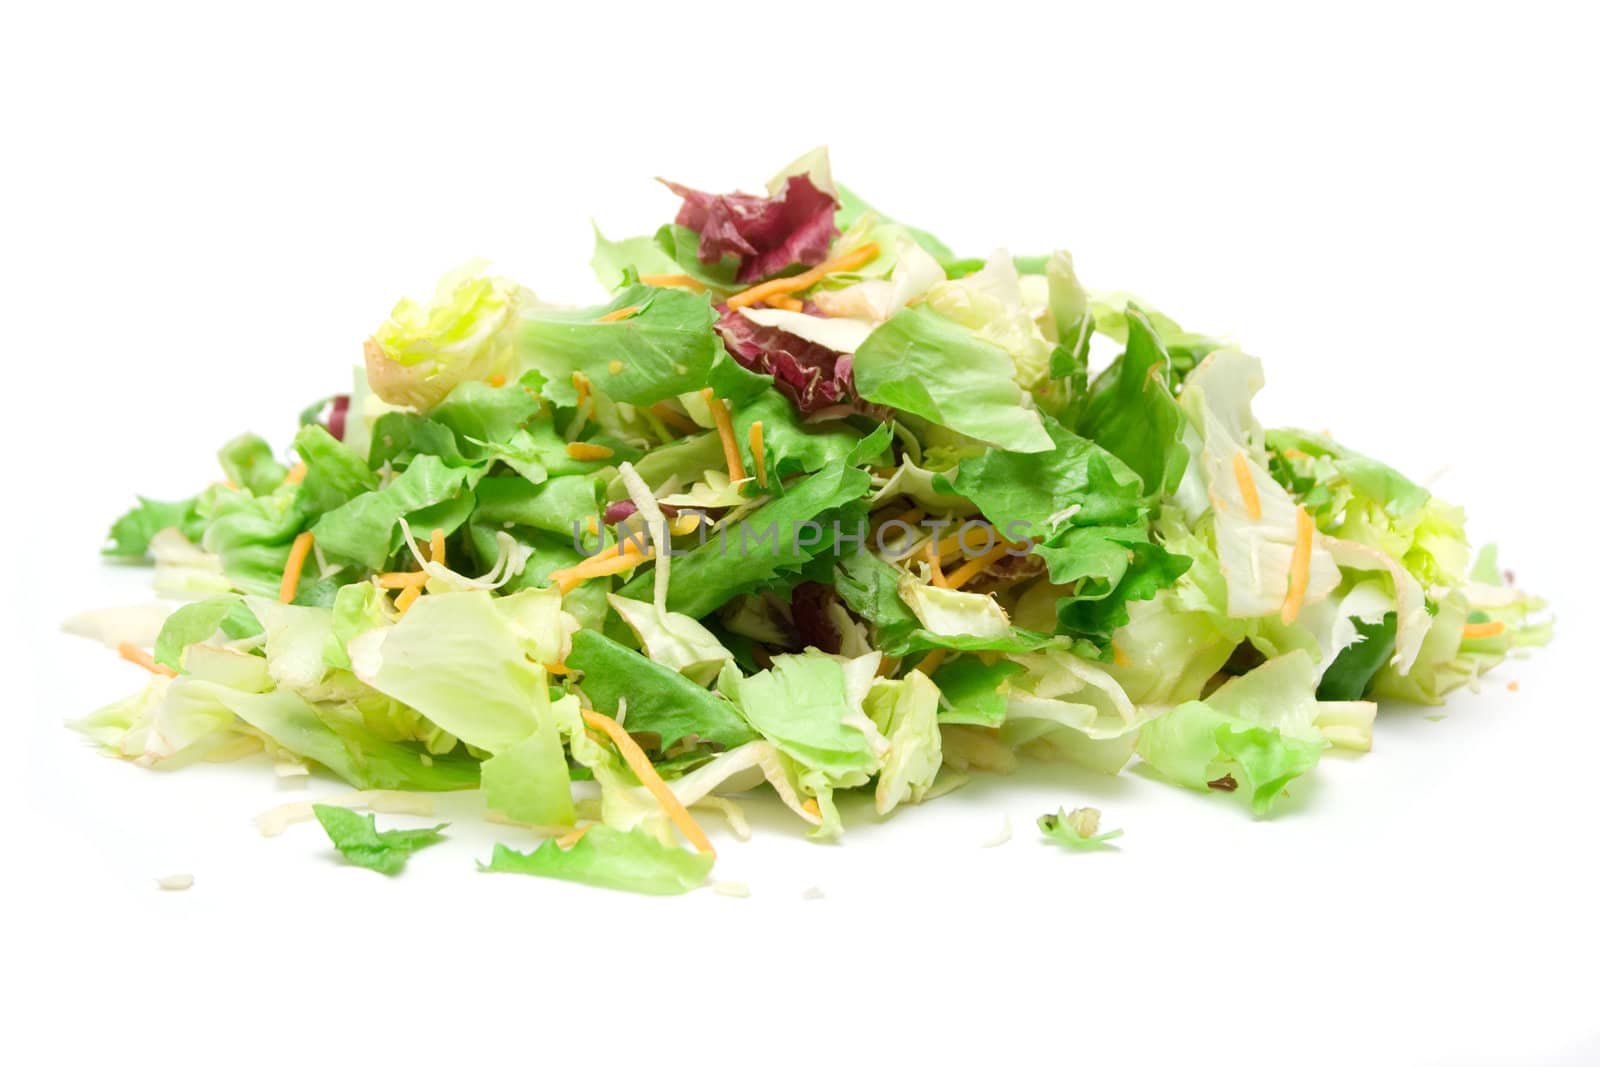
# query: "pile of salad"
811, 505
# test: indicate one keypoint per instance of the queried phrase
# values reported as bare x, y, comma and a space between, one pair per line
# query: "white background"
206, 210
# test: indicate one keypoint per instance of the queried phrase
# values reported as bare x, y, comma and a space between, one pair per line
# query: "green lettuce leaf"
130, 535
1132, 413
810, 708
456, 658
659, 699
359, 840
365, 529
634, 861
929, 366
612, 260
666, 348
248, 462
771, 540
974, 692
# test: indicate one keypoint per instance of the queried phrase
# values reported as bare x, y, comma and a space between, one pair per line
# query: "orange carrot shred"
136, 655
1247, 486
630, 751
292, 567
1299, 566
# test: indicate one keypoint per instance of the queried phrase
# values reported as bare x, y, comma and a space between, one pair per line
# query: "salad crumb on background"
810, 504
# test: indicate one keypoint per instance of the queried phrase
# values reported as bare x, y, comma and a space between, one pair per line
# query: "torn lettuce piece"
1078, 830
659, 700
674, 640
990, 303
458, 659
1197, 746
810, 707
1131, 412
930, 366
634, 861
906, 712
360, 842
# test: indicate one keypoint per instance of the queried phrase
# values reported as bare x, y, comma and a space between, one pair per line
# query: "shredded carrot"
935, 571
794, 284
812, 807
730, 444
1299, 566
1293, 453
594, 567
673, 419
401, 579
292, 566
580, 382
497, 380
783, 303
408, 596
974, 566
566, 841
931, 661
1247, 486
296, 475
758, 452
436, 546
557, 668
1472, 631
137, 655
1119, 657
972, 540
640, 764
615, 366
1512, 687
619, 314
586, 451
910, 518
672, 281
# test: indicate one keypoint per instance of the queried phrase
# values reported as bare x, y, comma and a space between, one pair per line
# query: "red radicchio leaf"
808, 609
337, 413
812, 376
768, 234
618, 510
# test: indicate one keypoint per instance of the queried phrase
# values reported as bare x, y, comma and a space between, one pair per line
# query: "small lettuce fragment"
132, 533
1202, 748
248, 462
360, 842
634, 861
1078, 830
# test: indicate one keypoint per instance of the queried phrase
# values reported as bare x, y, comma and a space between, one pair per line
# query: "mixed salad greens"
809, 503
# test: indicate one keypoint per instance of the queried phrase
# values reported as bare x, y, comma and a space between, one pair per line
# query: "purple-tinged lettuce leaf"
767, 233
